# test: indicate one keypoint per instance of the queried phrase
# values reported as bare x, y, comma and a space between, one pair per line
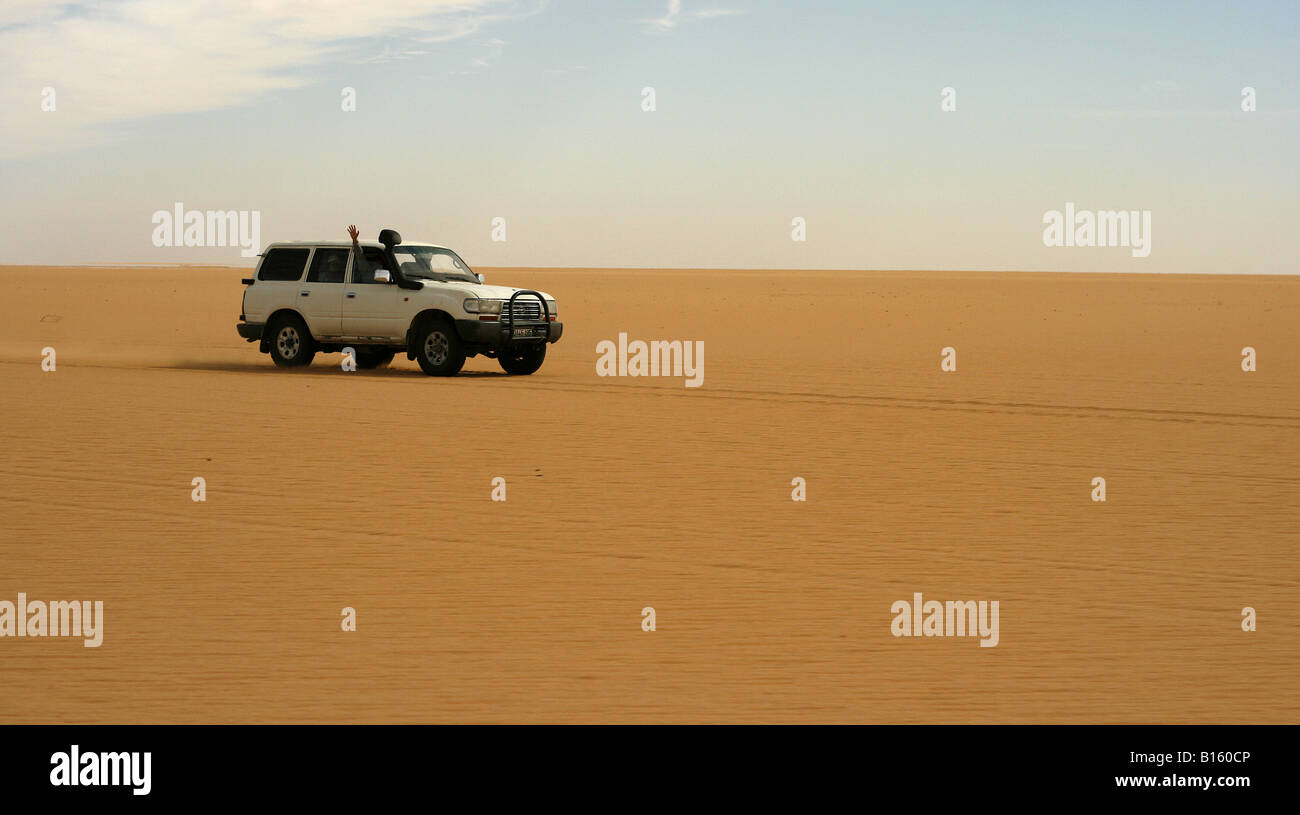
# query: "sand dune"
328, 489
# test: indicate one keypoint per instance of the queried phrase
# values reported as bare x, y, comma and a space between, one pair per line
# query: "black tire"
438, 348
522, 360
377, 358
290, 342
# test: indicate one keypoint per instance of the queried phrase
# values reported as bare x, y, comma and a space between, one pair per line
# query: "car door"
320, 296
370, 309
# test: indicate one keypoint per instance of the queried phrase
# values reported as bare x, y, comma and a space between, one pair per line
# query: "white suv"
310, 296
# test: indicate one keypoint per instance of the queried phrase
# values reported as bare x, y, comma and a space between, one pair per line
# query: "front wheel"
438, 348
291, 343
521, 360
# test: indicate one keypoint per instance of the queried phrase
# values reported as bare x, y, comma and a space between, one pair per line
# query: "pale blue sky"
531, 111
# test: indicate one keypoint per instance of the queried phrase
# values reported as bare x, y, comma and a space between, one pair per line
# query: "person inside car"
363, 268
335, 267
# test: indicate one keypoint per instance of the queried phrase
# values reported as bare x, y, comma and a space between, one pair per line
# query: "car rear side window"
328, 266
283, 264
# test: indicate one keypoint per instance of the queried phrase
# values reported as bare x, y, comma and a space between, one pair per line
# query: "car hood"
480, 290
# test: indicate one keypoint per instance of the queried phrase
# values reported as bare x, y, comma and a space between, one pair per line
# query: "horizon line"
856, 270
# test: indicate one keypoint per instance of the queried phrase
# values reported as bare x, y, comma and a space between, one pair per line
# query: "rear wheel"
521, 360
377, 358
291, 344
438, 348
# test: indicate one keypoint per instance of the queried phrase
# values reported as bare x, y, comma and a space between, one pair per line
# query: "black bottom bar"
336, 764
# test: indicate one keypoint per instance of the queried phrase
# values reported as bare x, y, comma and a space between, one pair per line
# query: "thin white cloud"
125, 61
708, 13
667, 21
492, 52
388, 55
675, 16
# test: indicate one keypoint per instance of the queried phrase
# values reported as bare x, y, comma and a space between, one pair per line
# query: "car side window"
328, 266
283, 264
375, 258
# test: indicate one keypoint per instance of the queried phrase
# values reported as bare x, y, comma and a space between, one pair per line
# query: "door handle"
304, 292
352, 294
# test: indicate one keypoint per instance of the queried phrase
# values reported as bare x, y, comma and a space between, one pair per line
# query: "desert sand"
329, 489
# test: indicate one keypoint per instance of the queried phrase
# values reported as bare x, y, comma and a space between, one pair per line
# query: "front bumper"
493, 332
251, 331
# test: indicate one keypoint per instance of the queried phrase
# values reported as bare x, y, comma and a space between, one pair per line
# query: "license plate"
527, 332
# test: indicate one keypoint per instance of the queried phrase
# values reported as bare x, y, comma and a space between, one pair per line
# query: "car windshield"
432, 263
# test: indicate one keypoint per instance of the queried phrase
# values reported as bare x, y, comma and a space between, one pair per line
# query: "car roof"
346, 244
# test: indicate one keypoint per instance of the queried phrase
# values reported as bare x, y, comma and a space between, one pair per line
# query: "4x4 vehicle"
417, 298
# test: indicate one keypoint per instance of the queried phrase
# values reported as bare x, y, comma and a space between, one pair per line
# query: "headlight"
476, 306
551, 305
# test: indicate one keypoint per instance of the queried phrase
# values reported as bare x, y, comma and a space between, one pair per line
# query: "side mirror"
383, 276
480, 276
